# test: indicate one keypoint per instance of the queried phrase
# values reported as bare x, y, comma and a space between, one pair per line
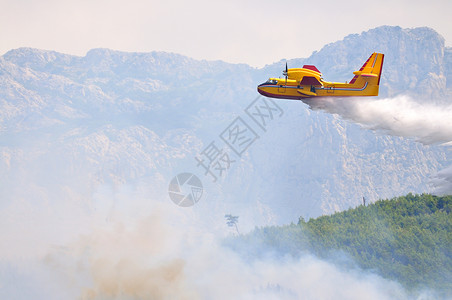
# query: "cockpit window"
272, 81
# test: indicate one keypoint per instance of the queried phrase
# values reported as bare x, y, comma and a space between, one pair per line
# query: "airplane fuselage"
307, 82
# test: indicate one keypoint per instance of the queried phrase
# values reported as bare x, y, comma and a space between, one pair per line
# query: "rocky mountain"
72, 126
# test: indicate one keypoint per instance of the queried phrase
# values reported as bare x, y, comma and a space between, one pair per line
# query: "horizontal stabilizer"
365, 74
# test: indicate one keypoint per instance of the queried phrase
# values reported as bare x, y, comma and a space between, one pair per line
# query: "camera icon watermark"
185, 189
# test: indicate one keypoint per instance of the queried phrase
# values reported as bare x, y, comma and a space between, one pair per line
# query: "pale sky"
237, 31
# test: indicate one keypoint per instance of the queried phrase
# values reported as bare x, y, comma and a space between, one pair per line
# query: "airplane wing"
306, 93
308, 80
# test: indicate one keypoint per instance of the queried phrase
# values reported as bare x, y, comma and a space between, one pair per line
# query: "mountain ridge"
306, 163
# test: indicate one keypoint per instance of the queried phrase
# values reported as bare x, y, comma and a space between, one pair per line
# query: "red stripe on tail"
381, 69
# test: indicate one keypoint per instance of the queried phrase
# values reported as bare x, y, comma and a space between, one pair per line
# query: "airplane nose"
260, 91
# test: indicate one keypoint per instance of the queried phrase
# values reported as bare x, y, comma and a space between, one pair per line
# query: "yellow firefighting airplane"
307, 82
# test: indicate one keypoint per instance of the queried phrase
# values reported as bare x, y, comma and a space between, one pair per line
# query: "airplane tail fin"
371, 69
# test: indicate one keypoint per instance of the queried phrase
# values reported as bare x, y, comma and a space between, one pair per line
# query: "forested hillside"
408, 239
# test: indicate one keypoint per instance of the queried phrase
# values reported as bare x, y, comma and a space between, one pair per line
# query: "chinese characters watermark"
235, 140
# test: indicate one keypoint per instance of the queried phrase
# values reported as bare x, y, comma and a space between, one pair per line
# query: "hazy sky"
252, 32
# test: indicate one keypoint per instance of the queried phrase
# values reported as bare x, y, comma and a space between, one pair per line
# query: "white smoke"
399, 116
443, 181
136, 248
160, 258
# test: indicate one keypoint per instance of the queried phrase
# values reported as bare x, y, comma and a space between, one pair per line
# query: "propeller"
285, 73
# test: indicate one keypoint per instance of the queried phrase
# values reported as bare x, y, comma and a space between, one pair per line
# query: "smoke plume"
129, 246
443, 181
160, 258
